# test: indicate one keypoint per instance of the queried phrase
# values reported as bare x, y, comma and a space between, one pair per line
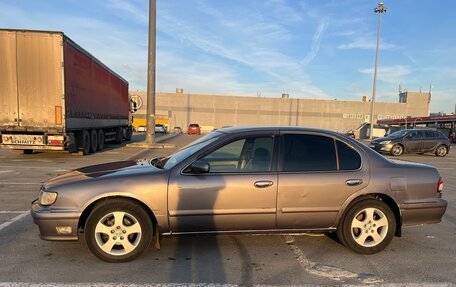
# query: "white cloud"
316, 41
360, 42
389, 74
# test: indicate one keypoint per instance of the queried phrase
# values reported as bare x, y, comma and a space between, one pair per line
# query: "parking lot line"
14, 219
11, 211
330, 272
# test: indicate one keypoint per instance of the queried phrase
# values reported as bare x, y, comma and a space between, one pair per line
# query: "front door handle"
263, 183
353, 182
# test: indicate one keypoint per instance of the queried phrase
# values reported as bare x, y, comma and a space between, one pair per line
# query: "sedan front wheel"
118, 230
368, 226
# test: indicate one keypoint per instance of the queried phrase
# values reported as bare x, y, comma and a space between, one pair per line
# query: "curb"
158, 142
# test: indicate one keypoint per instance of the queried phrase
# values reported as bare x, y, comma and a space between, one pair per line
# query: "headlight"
385, 142
47, 197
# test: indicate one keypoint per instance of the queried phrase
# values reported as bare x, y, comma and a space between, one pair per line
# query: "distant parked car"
177, 130
160, 128
255, 179
141, 129
413, 141
194, 129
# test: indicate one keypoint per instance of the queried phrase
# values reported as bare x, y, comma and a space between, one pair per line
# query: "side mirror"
200, 166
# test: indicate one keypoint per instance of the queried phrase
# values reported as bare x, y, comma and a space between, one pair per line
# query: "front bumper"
423, 212
381, 148
48, 221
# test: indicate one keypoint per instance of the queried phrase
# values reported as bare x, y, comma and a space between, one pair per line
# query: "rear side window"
349, 159
429, 134
307, 153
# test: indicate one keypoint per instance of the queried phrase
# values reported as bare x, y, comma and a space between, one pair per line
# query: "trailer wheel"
93, 141
101, 139
128, 133
119, 135
85, 142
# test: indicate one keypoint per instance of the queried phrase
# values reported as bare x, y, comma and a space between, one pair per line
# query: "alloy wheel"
369, 227
118, 233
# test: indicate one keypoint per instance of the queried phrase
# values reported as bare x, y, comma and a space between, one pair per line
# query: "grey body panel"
184, 203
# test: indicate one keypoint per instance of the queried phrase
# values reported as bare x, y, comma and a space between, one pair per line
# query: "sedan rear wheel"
368, 227
441, 151
118, 231
397, 150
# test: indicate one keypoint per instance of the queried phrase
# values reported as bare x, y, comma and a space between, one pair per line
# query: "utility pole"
380, 9
150, 113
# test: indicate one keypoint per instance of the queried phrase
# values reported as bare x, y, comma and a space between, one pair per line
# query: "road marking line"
116, 284
20, 183
326, 271
5, 171
14, 219
133, 156
11, 211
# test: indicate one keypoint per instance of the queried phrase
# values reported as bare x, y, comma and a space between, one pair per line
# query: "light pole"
380, 9
150, 113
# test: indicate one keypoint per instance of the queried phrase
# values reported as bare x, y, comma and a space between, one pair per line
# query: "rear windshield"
194, 125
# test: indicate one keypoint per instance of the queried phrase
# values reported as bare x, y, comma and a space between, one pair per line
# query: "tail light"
55, 140
440, 185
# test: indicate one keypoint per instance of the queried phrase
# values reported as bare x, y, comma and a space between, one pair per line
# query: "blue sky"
309, 49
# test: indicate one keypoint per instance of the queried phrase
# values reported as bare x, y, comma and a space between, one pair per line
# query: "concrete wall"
217, 111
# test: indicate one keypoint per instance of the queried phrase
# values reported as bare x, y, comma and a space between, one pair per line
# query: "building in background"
215, 111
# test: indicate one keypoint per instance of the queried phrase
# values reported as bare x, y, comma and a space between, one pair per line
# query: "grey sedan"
250, 180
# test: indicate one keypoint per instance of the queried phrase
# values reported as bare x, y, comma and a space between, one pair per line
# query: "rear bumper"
35, 147
48, 222
423, 212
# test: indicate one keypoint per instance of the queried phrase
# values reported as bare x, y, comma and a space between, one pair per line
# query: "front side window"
430, 134
253, 154
300, 152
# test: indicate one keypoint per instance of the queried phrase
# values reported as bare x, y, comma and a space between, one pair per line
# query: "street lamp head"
380, 8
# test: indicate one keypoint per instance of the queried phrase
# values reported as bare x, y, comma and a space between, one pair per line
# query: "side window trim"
279, 164
217, 146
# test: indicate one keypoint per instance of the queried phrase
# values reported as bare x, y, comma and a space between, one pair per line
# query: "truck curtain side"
54, 95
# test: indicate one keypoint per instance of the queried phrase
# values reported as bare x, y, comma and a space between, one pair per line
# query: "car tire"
397, 150
112, 241
101, 139
93, 141
367, 227
85, 142
441, 150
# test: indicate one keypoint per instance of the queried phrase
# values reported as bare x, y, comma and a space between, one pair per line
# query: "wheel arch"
89, 208
378, 196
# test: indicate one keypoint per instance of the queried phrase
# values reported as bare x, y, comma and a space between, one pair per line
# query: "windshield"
398, 134
171, 161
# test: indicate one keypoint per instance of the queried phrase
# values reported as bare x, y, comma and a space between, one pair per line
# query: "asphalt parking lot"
423, 255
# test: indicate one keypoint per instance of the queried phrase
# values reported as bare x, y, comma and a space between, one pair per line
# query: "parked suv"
413, 141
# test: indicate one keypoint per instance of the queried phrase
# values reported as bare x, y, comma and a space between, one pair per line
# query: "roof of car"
231, 130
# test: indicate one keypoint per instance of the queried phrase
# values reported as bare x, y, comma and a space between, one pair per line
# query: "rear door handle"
353, 182
263, 183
